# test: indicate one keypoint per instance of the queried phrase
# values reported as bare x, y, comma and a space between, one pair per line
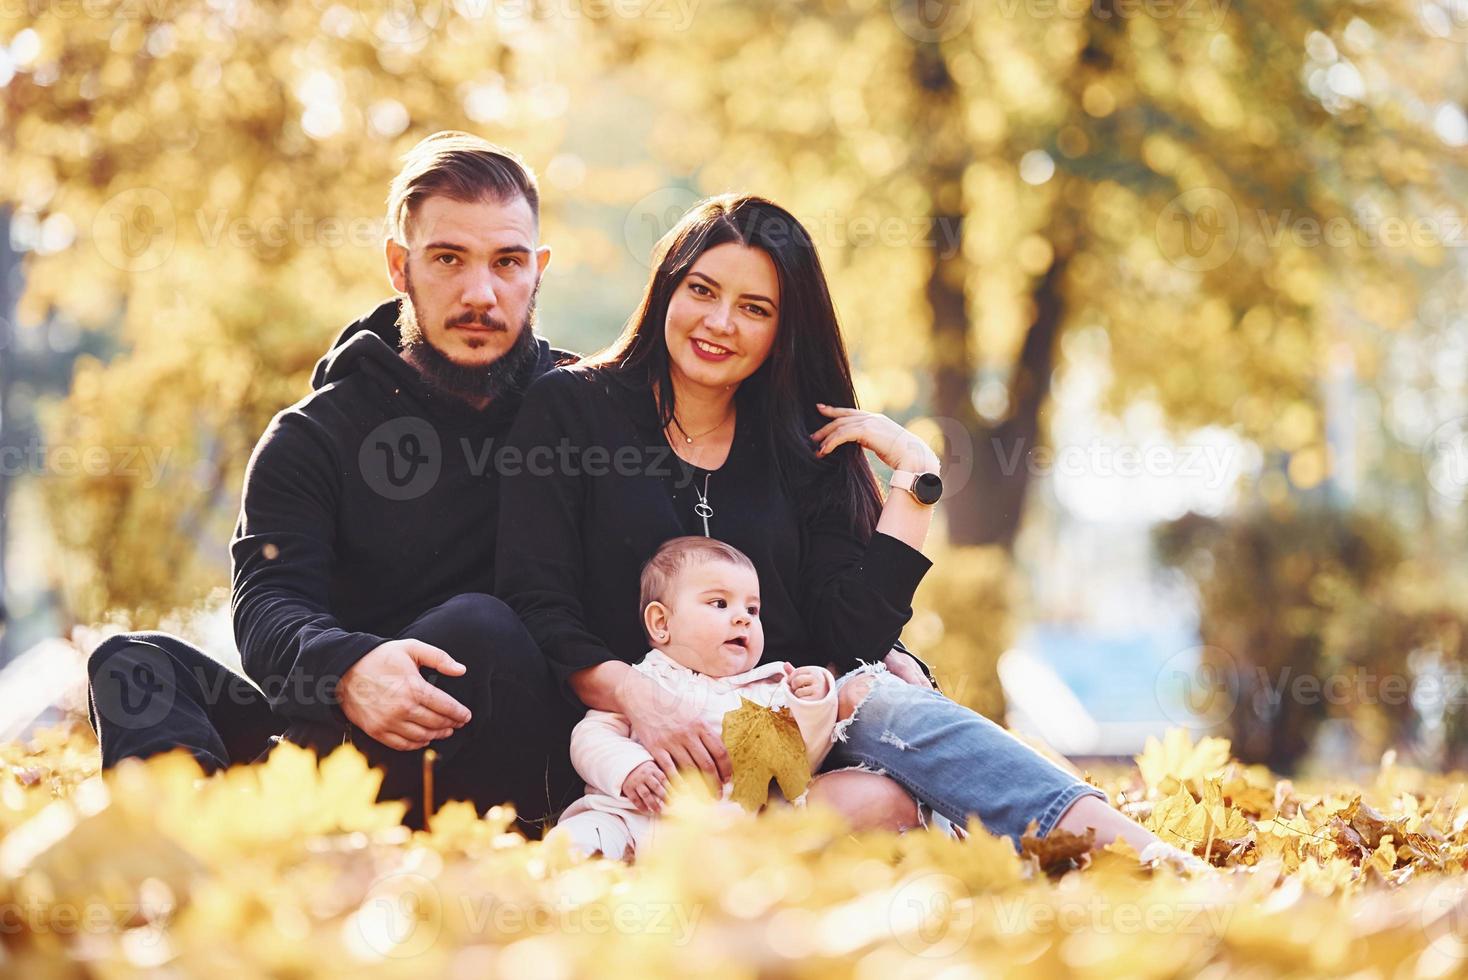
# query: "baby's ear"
655, 622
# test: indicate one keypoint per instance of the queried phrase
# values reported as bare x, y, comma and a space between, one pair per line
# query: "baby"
700, 608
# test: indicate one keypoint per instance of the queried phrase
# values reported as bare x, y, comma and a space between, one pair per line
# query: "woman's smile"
710, 351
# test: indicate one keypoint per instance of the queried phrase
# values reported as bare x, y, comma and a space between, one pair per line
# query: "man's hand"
671, 727
385, 695
647, 786
906, 668
806, 683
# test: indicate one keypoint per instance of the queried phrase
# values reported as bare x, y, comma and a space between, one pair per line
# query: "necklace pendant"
702, 508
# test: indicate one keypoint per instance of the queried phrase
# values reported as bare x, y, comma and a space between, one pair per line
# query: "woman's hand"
671, 727
646, 786
903, 517
892, 444
905, 667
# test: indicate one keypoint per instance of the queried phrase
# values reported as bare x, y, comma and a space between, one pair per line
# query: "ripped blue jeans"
953, 760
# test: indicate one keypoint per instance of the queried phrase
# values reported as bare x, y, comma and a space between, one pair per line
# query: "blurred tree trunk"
986, 509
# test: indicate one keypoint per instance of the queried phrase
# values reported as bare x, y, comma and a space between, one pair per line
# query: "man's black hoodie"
366, 503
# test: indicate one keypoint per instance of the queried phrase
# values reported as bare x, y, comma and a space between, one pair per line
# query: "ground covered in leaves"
291, 869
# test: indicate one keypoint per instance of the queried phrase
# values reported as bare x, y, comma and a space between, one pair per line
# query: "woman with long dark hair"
726, 408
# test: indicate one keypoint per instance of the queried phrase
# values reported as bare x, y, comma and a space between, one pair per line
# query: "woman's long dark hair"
806, 365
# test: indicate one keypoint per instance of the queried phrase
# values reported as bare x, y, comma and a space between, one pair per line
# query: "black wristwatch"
926, 488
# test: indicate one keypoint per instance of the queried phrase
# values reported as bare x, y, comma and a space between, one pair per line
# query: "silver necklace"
702, 508
689, 438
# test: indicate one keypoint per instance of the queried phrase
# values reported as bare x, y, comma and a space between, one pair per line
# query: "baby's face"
713, 624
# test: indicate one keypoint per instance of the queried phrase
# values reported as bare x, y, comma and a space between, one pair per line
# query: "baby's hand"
808, 684
647, 786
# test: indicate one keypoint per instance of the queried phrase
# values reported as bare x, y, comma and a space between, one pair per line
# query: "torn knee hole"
853, 693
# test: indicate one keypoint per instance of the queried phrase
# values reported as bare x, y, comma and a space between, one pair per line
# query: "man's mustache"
480, 319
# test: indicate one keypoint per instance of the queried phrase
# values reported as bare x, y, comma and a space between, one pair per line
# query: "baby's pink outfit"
604, 752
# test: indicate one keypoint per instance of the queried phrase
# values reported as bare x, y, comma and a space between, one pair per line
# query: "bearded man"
363, 558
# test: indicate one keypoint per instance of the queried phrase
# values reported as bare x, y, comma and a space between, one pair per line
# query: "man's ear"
397, 265
655, 621
542, 259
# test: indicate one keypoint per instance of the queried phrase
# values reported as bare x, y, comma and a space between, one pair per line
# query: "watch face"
928, 487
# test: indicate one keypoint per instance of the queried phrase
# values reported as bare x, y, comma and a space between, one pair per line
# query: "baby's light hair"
675, 555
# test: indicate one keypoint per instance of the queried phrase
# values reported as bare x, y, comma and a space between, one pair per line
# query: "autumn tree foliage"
1020, 171
1157, 185
216, 175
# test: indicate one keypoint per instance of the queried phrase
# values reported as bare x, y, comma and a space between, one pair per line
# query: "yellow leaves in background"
1175, 761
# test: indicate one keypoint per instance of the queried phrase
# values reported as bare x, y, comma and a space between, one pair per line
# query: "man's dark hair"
460, 166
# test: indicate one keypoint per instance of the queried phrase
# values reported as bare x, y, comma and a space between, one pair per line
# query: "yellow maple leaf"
1058, 849
1216, 820
1188, 823
1383, 859
1169, 818
1177, 760
764, 743
1118, 859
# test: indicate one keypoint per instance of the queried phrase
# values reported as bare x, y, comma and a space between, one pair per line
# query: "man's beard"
507, 374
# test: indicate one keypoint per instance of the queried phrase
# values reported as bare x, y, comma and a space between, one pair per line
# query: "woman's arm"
602, 686
858, 596
538, 551
902, 516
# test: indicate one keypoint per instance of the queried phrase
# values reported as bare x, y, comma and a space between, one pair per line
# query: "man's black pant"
152, 692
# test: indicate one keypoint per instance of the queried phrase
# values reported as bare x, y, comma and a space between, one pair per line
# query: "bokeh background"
1176, 285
